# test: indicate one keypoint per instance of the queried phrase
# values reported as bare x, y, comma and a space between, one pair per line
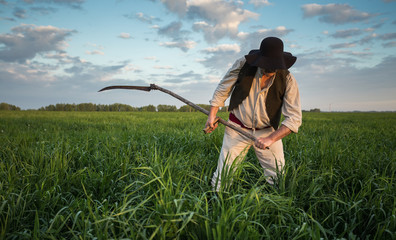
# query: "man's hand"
265, 143
211, 123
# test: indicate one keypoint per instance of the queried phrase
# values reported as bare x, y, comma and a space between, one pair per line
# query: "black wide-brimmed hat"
271, 55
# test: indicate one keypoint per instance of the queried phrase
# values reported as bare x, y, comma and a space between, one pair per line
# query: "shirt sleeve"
226, 85
291, 108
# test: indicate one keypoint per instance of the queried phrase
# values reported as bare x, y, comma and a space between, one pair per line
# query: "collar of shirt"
259, 76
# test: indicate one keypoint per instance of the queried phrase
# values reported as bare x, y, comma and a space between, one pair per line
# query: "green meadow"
136, 175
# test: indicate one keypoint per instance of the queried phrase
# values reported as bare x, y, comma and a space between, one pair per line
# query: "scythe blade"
147, 89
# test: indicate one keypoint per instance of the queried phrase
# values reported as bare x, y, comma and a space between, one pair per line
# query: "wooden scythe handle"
222, 121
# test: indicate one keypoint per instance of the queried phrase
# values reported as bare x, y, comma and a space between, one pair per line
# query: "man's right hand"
211, 124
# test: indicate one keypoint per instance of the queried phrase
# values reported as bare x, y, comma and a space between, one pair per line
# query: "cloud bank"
215, 19
335, 13
26, 41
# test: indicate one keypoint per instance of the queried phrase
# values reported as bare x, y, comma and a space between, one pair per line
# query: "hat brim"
254, 58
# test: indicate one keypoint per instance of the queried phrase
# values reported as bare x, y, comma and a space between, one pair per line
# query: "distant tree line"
89, 107
118, 107
312, 110
6, 106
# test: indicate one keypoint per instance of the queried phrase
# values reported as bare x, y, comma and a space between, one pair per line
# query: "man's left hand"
263, 143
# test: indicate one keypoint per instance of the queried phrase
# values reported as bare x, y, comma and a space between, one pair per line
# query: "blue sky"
64, 51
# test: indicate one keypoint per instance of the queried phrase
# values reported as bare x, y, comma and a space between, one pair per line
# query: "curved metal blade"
147, 89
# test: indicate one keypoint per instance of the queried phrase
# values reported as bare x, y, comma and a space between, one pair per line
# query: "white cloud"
179, 78
329, 80
279, 31
353, 53
224, 48
131, 68
295, 46
220, 57
172, 30
335, 13
242, 35
182, 45
259, 3
63, 58
389, 44
125, 35
85, 73
388, 36
216, 19
163, 67
26, 72
26, 41
94, 52
19, 13
44, 10
179, 37
177, 6
142, 17
347, 33
94, 45
260, 34
151, 58
369, 38
71, 3
343, 45
253, 40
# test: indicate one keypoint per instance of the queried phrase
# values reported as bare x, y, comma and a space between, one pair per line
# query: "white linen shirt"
252, 111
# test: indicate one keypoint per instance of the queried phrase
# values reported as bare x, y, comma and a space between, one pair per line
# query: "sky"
64, 51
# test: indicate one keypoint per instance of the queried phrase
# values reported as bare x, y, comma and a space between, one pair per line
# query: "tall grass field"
106, 175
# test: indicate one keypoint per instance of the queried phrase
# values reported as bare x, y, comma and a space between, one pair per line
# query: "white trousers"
236, 146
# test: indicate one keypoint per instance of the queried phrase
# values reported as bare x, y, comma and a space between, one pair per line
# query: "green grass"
73, 175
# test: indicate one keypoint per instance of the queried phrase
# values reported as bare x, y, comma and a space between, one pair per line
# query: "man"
262, 88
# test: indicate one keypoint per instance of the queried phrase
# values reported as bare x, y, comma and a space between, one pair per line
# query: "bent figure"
261, 89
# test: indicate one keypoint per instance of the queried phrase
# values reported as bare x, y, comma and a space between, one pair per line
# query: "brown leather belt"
234, 119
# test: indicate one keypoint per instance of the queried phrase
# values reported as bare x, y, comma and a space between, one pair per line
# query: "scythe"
155, 87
